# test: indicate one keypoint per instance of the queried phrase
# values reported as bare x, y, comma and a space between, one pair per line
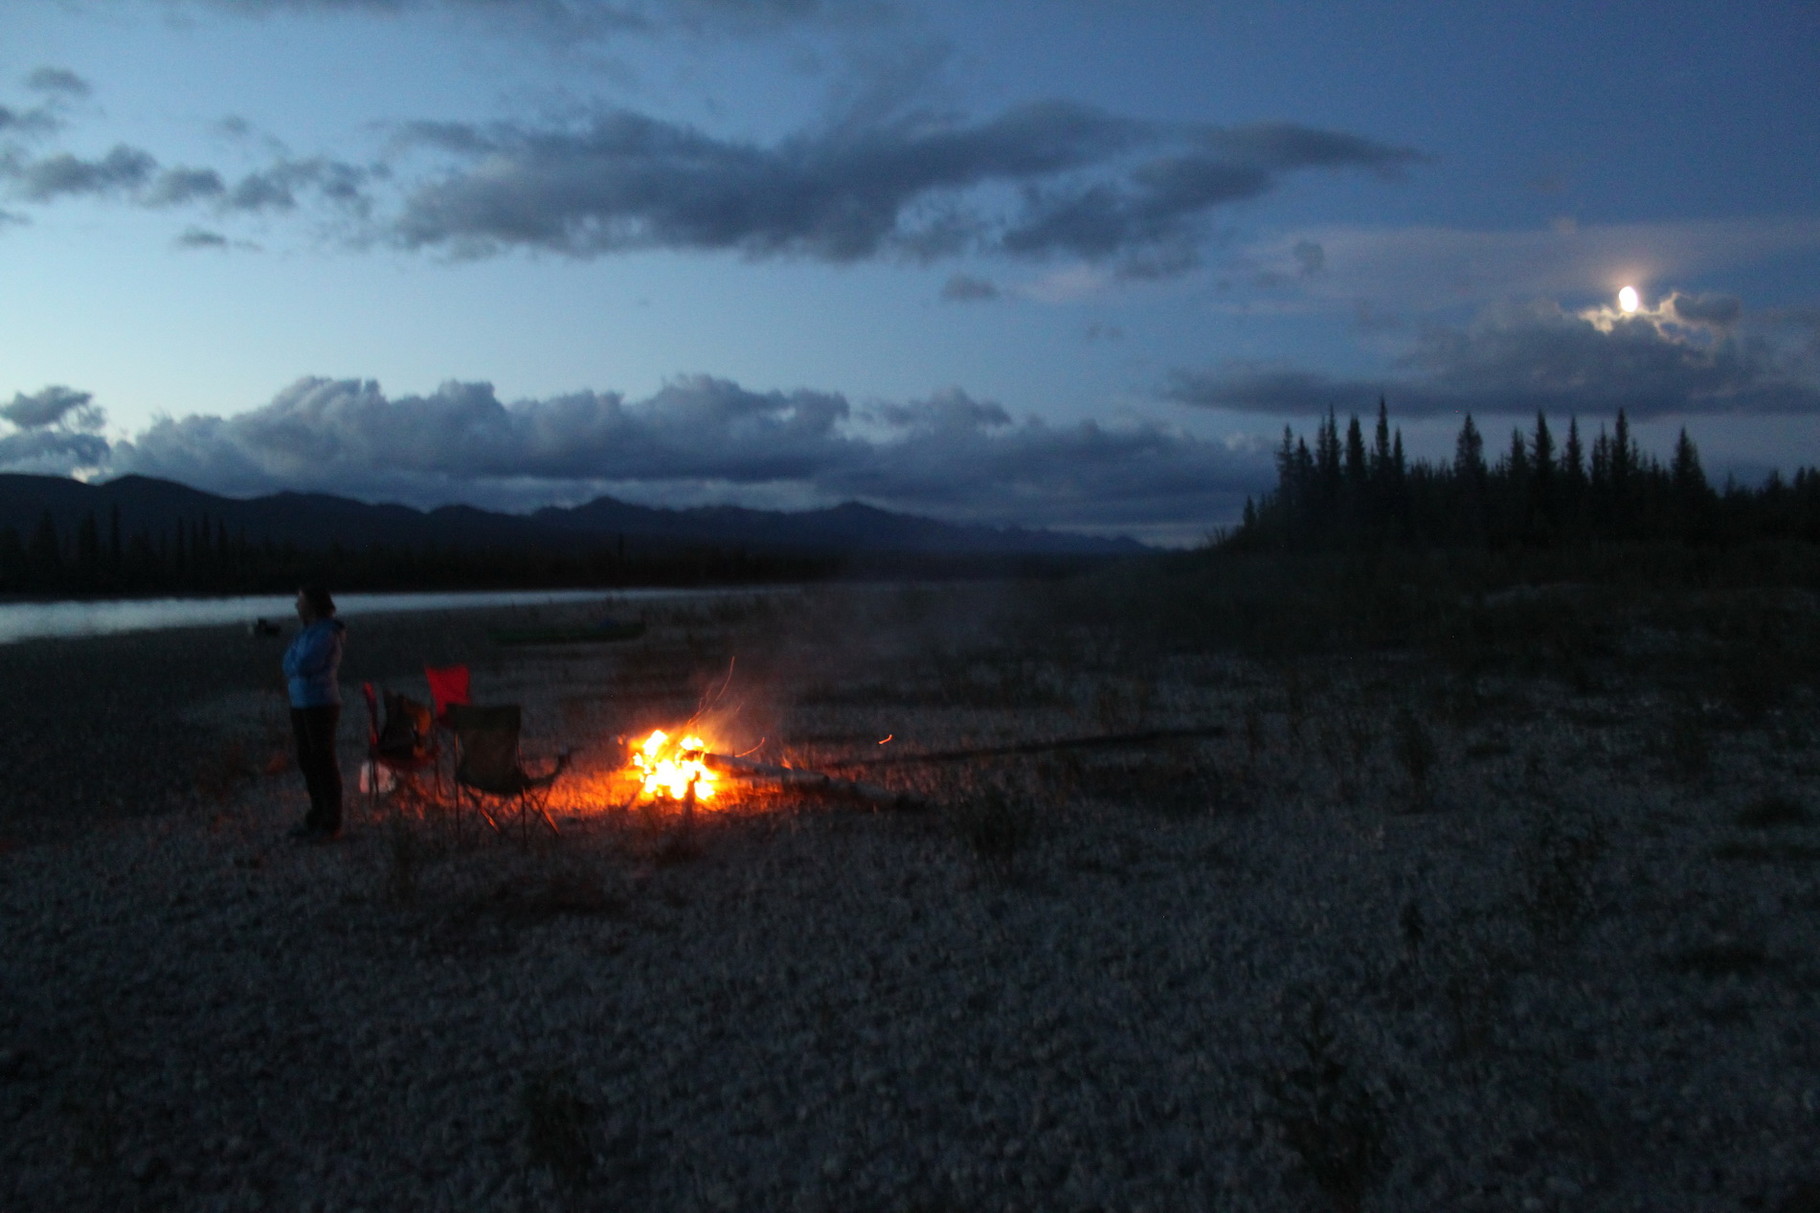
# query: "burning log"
685, 770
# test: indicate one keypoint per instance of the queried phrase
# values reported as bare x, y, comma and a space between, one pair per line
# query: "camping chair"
488, 768
448, 685
400, 747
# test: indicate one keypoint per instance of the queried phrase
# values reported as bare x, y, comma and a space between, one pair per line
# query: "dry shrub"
1336, 1124
1416, 753
994, 824
1556, 897
1773, 810
556, 1126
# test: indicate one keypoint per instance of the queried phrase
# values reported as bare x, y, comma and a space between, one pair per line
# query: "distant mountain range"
317, 520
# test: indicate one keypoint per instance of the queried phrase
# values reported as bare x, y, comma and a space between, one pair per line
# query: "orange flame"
671, 769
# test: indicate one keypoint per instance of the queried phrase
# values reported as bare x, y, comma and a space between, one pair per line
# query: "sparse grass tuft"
995, 826
1416, 753
1764, 852
1335, 1124
1556, 897
556, 1124
1772, 810
1718, 960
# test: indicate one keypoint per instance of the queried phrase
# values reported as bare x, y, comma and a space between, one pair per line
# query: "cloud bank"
1088, 184
698, 439
1689, 355
1039, 180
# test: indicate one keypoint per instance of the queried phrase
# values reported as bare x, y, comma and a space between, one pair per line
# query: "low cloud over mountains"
698, 439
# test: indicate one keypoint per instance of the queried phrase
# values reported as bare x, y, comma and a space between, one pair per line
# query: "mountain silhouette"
311, 521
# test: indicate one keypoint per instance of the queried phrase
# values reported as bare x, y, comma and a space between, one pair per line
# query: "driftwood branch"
1096, 741
813, 781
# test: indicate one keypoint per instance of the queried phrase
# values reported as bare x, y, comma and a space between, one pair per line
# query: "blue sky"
1071, 263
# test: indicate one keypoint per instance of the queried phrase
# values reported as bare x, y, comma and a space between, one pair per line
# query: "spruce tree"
1685, 473
1380, 447
1355, 454
1327, 461
1573, 459
1542, 477
1469, 454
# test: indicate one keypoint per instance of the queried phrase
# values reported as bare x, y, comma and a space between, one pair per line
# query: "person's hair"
319, 600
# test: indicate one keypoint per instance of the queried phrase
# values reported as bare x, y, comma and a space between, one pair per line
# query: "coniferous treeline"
1538, 491
102, 556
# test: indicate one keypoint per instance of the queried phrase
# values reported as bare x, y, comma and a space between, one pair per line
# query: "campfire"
674, 768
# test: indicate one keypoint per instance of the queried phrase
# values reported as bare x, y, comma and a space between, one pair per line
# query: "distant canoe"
593, 633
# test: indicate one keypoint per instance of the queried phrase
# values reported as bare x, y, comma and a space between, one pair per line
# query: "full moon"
1628, 300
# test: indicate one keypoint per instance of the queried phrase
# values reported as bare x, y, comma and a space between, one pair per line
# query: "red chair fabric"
448, 685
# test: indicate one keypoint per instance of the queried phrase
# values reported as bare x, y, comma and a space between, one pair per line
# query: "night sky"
1068, 263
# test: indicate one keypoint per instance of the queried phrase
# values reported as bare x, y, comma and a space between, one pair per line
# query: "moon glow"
1628, 301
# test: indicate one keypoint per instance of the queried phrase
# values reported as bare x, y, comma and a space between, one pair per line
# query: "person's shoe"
299, 833
307, 833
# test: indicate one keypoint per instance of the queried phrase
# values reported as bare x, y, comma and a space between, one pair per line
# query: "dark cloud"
701, 437
52, 452
59, 86
57, 81
277, 186
1159, 202
55, 432
200, 238
965, 288
175, 187
52, 406
1310, 256
1720, 311
629, 181
134, 174
1520, 358
123, 169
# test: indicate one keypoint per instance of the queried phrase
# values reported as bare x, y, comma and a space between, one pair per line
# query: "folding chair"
401, 746
448, 685
488, 768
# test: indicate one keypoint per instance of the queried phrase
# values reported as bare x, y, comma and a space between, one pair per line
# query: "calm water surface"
28, 620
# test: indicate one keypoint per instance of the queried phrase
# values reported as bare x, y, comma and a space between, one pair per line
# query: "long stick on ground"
1092, 742
814, 781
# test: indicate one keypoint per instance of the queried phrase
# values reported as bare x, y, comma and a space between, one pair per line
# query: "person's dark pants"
315, 732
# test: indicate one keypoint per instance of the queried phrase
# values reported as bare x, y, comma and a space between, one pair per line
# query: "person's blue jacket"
313, 663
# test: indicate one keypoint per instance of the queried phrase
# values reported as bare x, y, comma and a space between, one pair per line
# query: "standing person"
312, 667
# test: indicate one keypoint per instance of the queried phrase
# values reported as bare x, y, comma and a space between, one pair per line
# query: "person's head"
313, 603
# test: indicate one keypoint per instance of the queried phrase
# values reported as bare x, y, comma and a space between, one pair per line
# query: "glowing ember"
671, 768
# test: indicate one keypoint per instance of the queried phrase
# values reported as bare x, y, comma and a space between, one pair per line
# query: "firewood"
815, 781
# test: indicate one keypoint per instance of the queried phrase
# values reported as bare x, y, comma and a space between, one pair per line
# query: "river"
30, 620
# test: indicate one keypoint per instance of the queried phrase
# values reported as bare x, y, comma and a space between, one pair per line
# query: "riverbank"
1404, 934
